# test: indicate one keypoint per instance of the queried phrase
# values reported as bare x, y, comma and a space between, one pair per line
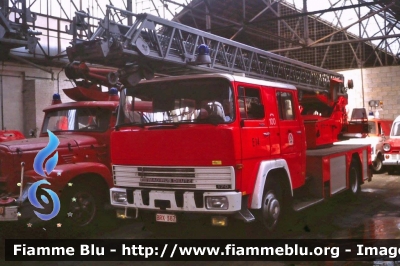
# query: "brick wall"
380, 83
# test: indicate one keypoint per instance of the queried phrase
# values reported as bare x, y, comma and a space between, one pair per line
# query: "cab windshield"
176, 102
79, 119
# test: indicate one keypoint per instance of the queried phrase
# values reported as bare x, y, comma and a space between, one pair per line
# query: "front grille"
200, 178
165, 172
142, 184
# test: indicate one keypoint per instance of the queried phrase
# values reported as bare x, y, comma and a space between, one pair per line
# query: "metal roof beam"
338, 17
352, 24
319, 11
337, 42
251, 20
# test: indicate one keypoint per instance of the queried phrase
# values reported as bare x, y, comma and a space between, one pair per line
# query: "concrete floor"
375, 214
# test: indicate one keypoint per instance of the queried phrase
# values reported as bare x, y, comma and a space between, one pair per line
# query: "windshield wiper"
170, 126
129, 124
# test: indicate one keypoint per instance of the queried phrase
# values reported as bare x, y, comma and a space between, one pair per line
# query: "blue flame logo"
49, 167
42, 155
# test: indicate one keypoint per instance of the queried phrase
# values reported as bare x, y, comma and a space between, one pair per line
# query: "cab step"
245, 215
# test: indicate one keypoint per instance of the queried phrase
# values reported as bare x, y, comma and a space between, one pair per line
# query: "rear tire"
354, 179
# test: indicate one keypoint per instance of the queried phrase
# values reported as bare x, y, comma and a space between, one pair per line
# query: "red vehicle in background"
7, 135
83, 171
379, 127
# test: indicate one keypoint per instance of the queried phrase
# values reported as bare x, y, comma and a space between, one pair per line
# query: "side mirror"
32, 133
350, 84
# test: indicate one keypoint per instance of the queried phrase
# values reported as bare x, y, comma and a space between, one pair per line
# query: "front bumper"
8, 213
15, 211
391, 159
172, 201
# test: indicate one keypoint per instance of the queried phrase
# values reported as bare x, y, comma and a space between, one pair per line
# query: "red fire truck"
7, 135
220, 145
83, 170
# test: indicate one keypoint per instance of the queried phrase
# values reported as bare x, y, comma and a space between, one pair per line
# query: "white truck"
391, 148
378, 129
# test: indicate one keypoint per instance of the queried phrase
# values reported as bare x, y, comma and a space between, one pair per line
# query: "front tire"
271, 208
377, 165
81, 205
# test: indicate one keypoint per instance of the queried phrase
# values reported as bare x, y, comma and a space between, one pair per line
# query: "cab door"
292, 137
255, 142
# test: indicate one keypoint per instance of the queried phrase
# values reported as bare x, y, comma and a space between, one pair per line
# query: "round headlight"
386, 147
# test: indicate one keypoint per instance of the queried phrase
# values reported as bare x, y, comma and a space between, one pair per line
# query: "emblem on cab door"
290, 139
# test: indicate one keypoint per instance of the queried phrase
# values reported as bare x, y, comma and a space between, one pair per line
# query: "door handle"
266, 134
298, 132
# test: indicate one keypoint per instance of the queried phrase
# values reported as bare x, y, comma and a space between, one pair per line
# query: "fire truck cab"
83, 168
222, 145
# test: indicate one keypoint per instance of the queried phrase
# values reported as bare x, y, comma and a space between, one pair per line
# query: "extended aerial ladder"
170, 48
152, 45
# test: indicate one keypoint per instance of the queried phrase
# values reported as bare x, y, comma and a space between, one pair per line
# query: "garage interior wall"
24, 92
11, 100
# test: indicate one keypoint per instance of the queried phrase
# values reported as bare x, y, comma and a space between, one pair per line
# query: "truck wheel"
377, 165
354, 179
81, 205
271, 208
